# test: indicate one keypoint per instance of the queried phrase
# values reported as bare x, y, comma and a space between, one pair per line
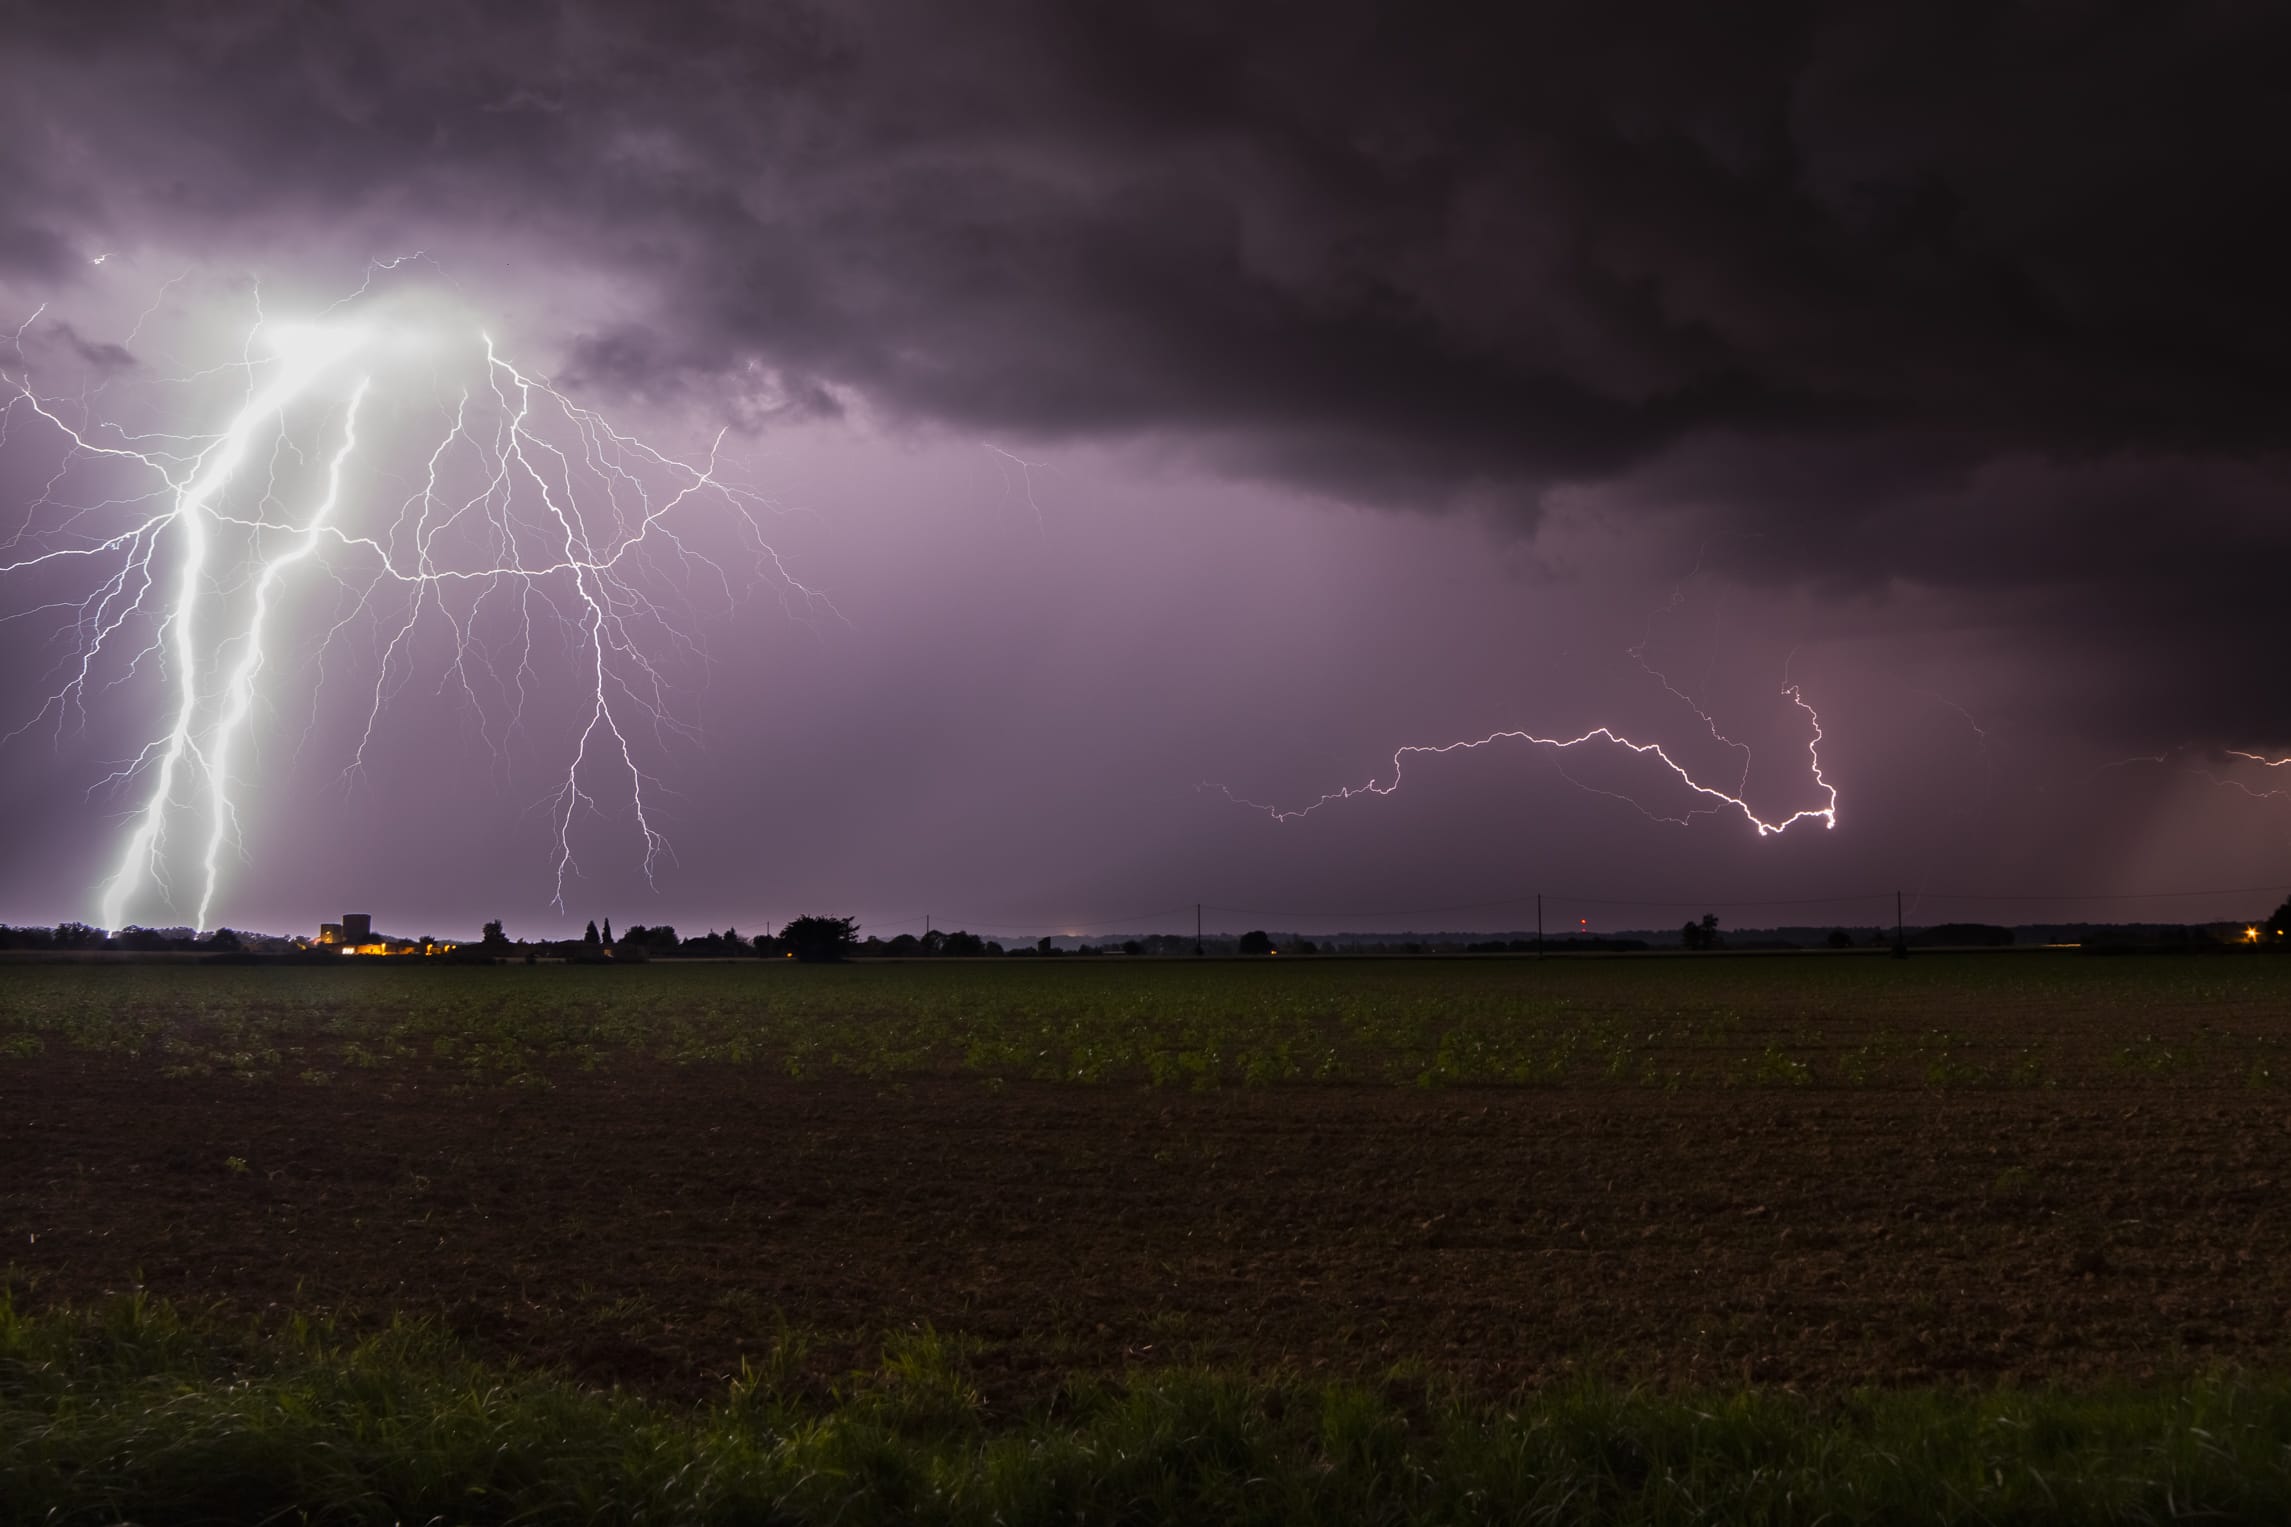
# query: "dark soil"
655, 1226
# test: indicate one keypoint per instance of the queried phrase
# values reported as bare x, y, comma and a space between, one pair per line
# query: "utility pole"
1900, 937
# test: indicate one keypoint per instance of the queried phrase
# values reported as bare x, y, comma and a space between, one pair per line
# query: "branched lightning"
1714, 799
1708, 799
529, 509
1026, 471
2273, 793
1638, 655
2199, 762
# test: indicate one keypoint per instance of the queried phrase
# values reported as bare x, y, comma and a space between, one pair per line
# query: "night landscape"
1058, 763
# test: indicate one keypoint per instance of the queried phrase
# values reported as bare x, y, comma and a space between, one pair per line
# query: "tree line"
820, 939
823, 939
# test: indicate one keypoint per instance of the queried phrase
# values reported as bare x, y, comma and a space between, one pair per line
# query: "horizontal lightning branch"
2204, 764
2274, 793
1713, 799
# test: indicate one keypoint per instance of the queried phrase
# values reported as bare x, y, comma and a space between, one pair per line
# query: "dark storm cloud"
1983, 297
28, 249
2162, 572
92, 355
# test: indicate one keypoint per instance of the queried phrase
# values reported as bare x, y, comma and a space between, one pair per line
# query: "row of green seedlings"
1137, 1042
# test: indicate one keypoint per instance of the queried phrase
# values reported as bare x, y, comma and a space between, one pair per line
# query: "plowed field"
657, 1223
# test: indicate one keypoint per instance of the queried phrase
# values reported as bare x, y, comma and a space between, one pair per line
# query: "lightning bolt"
2277, 793
1711, 799
1638, 655
239, 688
531, 508
2199, 767
1025, 478
1718, 800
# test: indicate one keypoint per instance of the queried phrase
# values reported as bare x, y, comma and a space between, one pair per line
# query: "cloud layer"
1969, 314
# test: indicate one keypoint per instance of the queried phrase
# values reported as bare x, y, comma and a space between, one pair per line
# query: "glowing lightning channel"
2199, 768
213, 470
2281, 792
1025, 478
1720, 800
223, 818
544, 521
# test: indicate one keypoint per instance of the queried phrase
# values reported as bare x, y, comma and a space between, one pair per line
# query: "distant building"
355, 935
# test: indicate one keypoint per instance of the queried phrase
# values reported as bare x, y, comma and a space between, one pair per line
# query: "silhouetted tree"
494, 938
592, 939
1702, 935
608, 933
1840, 939
1256, 941
961, 945
224, 941
2279, 926
821, 940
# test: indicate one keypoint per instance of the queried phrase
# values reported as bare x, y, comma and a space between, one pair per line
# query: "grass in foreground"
135, 1411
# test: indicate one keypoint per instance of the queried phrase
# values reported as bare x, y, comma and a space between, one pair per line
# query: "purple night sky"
1159, 395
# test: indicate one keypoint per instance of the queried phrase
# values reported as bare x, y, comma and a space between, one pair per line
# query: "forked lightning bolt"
1713, 799
2280, 792
2200, 762
530, 507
